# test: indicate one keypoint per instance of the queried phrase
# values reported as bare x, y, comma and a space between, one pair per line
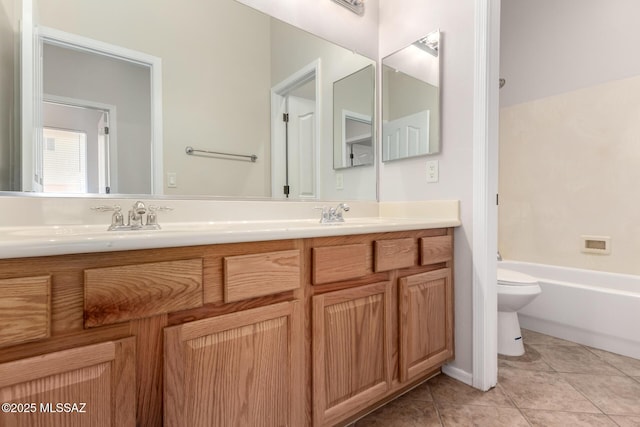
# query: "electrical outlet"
432, 171
172, 180
339, 181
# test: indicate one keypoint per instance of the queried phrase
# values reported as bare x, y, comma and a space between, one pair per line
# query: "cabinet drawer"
251, 276
336, 263
25, 307
436, 249
395, 253
118, 294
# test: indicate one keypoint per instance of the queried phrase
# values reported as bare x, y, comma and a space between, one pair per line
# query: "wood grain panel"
251, 276
25, 307
118, 294
426, 322
436, 249
337, 263
149, 349
351, 342
243, 369
393, 254
99, 378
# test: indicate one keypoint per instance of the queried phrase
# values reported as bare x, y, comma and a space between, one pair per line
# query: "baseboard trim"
458, 374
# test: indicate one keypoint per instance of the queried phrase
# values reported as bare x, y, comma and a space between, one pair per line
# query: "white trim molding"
485, 166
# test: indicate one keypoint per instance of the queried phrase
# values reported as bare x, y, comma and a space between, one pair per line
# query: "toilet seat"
515, 278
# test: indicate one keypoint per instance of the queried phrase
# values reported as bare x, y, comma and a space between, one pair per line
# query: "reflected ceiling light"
429, 43
355, 6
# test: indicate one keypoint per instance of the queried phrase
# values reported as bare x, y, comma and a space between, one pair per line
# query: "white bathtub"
593, 308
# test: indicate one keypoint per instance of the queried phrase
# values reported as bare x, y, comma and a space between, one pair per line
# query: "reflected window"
64, 161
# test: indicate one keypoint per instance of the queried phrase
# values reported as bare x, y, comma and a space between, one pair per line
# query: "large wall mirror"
411, 100
353, 119
172, 99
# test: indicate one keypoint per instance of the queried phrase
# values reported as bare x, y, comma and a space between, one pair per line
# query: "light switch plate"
433, 173
339, 181
172, 180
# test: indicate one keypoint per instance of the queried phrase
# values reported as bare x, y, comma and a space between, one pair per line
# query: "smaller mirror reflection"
353, 112
411, 100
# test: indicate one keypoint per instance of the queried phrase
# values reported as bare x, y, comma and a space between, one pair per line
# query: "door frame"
485, 188
279, 93
359, 117
113, 129
32, 38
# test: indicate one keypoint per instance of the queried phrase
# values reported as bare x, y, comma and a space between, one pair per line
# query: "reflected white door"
302, 148
406, 137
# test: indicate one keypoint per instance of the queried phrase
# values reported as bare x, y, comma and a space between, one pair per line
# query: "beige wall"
569, 166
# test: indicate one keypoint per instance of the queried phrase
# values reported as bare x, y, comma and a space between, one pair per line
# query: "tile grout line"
605, 362
513, 402
435, 405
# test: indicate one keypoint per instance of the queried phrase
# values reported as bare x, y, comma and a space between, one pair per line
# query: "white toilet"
515, 290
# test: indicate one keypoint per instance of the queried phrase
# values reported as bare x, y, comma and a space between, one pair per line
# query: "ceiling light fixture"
355, 6
430, 43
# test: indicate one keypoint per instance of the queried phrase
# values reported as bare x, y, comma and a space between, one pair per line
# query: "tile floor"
555, 383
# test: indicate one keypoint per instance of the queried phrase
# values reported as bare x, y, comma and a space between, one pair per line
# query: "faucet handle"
324, 213
154, 208
152, 218
106, 208
117, 219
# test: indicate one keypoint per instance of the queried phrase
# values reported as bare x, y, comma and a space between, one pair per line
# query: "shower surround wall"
569, 133
569, 167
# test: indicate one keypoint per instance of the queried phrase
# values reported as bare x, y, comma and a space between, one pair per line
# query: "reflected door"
302, 148
75, 156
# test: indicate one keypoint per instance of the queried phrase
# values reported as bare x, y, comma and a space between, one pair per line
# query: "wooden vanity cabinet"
425, 322
300, 332
351, 350
85, 386
381, 318
239, 369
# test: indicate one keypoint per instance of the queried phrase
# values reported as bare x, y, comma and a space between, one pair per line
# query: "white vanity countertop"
29, 241
33, 226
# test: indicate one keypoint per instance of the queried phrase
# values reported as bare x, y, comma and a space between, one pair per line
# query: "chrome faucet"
135, 214
135, 219
333, 215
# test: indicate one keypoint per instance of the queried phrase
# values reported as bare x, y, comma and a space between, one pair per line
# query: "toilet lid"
514, 278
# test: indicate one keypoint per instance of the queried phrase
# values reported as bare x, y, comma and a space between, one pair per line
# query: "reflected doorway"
68, 66
79, 150
294, 139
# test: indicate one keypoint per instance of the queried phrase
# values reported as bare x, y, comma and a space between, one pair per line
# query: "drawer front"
436, 249
252, 276
25, 307
118, 294
393, 254
336, 263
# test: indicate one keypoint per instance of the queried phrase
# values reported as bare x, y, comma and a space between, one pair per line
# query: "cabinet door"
240, 369
351, 350
426, 322
85, 386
